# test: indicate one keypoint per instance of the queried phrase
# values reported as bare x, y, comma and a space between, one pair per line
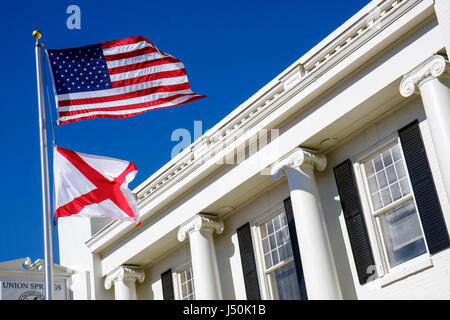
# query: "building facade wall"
426, 283
362, 109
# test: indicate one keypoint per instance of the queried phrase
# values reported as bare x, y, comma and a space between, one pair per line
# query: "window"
278, 258
186, 280
393, 206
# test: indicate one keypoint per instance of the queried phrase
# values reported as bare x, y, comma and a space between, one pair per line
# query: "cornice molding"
432, 68
199, 222
123, 273
297, 158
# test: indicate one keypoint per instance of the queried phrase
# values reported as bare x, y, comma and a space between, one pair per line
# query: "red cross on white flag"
93, 186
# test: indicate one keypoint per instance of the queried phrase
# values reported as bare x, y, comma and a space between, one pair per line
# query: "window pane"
275, 258
282, 253
188, 274
286, 283
268, 260
285, 232
376, 201
378, 163
395, 191
288, 247
279, 236
396, 153
400, 167
373, 186
284, 220
288, 250
402, 233
272, 241
368, 166
391, 176
386, 197
276, 223
269, 227
405, 187
382, 181
387, 159
266, 247
263, 231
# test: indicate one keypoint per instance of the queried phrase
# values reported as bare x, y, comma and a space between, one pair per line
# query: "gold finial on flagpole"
37, 34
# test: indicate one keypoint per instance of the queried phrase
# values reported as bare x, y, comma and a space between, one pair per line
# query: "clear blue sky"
230, 50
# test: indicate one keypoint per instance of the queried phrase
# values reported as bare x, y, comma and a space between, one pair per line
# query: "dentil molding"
297, 158
123, 273
199, 222
431, 68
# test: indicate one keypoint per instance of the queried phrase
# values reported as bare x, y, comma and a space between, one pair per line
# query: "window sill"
417, 265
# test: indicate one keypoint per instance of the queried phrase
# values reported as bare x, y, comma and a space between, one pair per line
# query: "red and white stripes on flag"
93, 186
116, 79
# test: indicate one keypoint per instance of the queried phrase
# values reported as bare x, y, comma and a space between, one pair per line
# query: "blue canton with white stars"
79, 69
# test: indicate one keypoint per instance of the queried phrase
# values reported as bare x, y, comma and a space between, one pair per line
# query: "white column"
124, 280
203, 255
425, 80
317, 260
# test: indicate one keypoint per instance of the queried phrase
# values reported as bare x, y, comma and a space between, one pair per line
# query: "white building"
22, 280
331, 182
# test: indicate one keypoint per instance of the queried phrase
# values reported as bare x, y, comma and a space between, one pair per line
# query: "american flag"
116, 79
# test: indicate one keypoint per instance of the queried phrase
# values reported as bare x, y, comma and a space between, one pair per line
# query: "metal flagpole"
48, 249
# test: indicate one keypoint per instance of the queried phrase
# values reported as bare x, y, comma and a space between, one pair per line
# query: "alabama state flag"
93, 186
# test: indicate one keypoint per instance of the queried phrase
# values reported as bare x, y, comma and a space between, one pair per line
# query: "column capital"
199, 222
431, 68
297, 158
122, 273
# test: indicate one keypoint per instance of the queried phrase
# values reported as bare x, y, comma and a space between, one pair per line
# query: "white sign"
30, 289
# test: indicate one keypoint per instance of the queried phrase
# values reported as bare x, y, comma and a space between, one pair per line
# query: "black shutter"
427, 200
248, 262
167, 285
354, 220
295, 248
